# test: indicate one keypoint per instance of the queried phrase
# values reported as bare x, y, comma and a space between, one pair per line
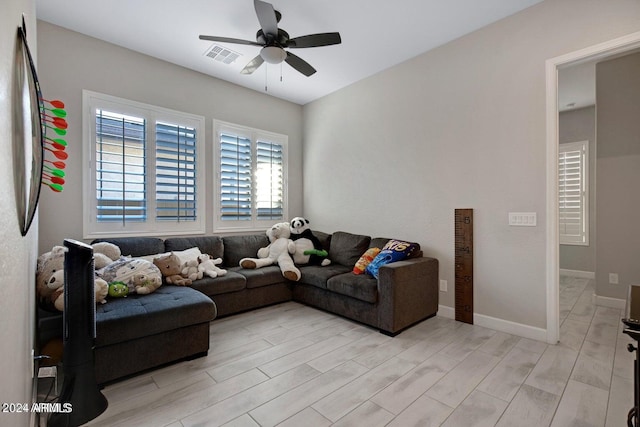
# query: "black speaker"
80, 388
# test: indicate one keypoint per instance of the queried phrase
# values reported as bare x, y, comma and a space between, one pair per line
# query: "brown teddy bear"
56, 284
171, 270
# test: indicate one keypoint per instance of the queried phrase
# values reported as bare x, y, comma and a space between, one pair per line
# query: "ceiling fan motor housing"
281, 39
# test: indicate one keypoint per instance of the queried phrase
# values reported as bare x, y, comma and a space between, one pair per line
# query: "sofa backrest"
136, 246
238, 247
347, 248
212, 245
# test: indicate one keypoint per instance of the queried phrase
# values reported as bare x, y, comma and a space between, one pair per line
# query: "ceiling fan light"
273, 54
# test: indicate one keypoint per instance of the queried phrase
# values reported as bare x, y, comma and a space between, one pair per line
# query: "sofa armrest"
408, 292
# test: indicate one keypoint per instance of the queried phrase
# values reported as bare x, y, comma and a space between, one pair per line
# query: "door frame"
596, 52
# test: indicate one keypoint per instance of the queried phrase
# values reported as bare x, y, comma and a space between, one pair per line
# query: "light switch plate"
523, 219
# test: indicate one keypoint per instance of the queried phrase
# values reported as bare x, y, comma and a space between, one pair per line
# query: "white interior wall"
18, 254
462, 126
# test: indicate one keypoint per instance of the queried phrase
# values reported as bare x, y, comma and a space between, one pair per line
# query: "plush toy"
118, 290
209, 266
191, 270
50, 280
169, 266
308, 247
140, 275
104, 253
277, 252
56, 284
48, 264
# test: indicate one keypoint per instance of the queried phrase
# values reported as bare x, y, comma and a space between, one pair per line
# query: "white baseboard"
578, 273
501, 325
610, 302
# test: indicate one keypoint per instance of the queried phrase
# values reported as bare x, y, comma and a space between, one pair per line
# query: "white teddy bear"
279, 252
209, 266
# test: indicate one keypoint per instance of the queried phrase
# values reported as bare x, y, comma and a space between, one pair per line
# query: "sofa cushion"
168, 308
212, 245
362, 287
230, 282
136, 246
346, 248
258, 277
317, 276
238, 247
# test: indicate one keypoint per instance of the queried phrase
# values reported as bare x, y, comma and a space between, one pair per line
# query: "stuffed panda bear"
308, 247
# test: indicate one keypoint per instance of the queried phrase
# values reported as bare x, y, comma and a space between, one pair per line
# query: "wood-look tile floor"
292, 365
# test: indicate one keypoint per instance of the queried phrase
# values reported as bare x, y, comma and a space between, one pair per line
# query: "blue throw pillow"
394, 250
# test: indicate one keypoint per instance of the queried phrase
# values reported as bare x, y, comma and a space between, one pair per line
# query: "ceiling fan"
273, 41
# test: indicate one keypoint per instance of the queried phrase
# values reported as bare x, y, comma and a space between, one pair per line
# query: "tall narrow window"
250, 177
175, 172
269, 181
142, 169
235, 178
120, 167
573, 193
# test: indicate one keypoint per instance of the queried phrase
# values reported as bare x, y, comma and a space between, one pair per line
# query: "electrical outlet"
613, 278
443, 286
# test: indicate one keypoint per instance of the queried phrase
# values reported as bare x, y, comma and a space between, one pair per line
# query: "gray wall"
461, 126
88, 63
580, 125
618, 174
17, 254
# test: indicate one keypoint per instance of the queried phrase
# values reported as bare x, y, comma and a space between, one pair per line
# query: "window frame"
254, 135
582, 238
91, 102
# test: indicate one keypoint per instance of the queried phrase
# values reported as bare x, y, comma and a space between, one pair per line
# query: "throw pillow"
365, 260
394, 250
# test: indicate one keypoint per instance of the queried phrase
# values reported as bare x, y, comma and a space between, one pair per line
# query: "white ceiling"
577, 86
376, 34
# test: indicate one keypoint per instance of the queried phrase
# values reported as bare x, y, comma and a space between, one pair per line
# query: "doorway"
594, 53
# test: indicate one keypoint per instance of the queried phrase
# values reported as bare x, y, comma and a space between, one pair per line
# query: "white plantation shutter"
573, 193
120, 167
235, 178
175, 172
250, 178
269, 181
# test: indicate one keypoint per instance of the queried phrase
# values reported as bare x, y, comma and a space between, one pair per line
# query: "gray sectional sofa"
405, 293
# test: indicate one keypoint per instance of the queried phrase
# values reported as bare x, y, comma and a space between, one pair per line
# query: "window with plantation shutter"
250, 177
269, 181
235, 178
120, 167
573, 193
143, 169
175, 172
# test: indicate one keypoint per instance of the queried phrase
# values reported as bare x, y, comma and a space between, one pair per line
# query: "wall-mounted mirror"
28, 133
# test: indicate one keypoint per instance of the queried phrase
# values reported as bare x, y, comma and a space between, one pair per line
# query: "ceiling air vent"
222, 54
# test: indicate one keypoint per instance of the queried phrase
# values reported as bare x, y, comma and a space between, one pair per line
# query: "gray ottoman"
140, 332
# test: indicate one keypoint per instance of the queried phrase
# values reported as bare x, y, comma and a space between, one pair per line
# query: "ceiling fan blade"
299, 64
266, 17
253, 65
315, 40
229, 40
